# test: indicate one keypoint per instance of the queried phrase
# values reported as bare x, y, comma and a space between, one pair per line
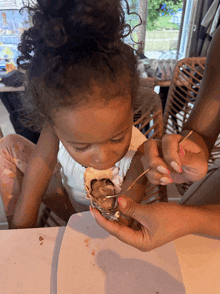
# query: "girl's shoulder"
137, 139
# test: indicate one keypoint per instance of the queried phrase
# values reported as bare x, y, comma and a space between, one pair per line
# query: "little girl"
81, 87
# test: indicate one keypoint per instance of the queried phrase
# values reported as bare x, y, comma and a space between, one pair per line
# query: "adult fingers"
151, 158
121, 231
132, 209
128, 208
187, 154
171, 151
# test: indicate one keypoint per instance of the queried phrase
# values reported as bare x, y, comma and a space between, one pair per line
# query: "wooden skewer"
185, 137
117, 195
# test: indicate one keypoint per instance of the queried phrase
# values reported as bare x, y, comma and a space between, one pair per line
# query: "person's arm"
205, 116
209, 219
36, 180
204, 119
161, 223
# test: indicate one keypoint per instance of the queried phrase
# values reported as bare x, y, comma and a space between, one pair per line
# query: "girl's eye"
85, 148
118, 141
81, 149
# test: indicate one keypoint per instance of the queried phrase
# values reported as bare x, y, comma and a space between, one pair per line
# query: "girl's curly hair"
71, 45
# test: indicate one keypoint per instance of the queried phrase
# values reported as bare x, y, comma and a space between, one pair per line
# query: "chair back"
148, 113
148, 118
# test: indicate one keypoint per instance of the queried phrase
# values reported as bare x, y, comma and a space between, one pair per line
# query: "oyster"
99, 184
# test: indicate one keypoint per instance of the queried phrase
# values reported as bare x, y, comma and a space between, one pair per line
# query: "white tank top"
72, 173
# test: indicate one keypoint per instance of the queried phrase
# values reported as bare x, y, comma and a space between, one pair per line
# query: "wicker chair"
148, 119
181, 97
48, 219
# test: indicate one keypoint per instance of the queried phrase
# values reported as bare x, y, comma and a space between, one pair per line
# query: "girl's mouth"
102, 166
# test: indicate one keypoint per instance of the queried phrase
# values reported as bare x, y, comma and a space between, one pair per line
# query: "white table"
28, 263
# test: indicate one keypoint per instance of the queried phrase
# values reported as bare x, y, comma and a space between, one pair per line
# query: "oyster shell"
99, 184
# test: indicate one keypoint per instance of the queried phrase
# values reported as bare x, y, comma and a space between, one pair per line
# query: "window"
163, 28
12, 25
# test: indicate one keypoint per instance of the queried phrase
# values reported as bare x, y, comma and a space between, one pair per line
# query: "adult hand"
160, 223
168, 161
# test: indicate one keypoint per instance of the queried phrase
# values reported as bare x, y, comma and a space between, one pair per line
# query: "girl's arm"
136, 193
36, 179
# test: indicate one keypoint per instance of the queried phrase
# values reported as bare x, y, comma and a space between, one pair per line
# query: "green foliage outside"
154, 19
163, 22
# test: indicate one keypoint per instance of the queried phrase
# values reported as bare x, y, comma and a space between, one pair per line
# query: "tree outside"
159, 15
162, 29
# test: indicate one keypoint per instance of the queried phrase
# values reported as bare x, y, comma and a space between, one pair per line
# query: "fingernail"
90, 208
182, 151
163, 184
176, 166
163, 170
165, 181
122, 202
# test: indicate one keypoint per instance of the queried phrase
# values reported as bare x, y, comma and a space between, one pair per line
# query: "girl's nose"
101, 155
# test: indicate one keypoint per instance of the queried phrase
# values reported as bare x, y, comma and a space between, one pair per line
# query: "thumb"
130, 208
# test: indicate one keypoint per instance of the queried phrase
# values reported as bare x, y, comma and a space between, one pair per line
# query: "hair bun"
72, 29
54, 32
98, 20
92, 23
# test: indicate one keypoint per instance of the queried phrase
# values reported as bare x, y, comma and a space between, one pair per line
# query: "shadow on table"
77, 225
124, 275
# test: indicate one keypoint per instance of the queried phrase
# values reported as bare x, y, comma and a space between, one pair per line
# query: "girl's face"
97, 134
